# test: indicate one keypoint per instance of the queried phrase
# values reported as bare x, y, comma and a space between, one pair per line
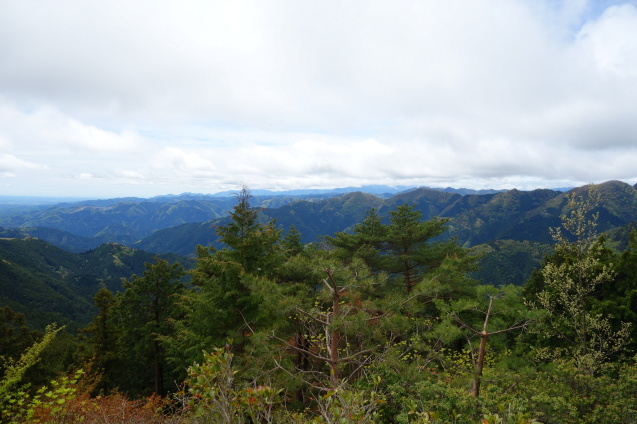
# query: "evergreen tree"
144, 311
291, 243
15, 335
227, 301
405, 249
100, 338
365, 241
247, 242
409, 253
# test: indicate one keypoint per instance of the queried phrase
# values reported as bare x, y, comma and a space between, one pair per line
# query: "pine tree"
365, 241
409, 253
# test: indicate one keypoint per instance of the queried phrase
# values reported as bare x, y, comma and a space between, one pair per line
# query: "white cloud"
87, 137
130, 174
9, 164
611, 42
176, 95
86, 176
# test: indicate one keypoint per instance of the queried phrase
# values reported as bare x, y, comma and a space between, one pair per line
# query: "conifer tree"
365, 241
144, 311
291, 243
227, 300
100, 337
15, 335
409, 254
407, 251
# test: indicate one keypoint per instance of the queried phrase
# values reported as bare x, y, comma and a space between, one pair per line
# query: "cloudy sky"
148, 97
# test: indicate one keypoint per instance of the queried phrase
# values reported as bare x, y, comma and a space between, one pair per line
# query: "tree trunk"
334, 377
477, 378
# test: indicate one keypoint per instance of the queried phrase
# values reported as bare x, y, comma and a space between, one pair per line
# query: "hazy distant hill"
124, 222
377, 190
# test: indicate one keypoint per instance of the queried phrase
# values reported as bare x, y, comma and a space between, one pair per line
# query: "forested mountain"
49, 284
123, 222
474, 219
62, 239
87, 224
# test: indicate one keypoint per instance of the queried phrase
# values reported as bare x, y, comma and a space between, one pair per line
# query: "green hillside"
49, 284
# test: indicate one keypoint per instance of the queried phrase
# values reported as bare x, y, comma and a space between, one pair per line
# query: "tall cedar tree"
100, 338
226, 303
144, 310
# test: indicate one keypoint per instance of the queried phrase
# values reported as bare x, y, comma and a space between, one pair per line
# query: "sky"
149, 97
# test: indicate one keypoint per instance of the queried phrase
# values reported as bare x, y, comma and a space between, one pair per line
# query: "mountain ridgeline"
177, 224
474, 219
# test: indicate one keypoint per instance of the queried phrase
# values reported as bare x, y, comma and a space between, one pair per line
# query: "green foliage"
248, 242
230, 286
386, 327
291, 243
618, 300
143, 313
100, 339
33, 281
405, 249
213, 395
48, 405
504, 262
14, 371
570, 286
350, 406
15, 335
47, 284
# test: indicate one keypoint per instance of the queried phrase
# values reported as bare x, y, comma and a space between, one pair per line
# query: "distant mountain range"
80, 225
176, 224
54, 257
474, 218
378, 190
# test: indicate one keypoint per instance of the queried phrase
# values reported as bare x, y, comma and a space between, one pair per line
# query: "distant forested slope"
49, 284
